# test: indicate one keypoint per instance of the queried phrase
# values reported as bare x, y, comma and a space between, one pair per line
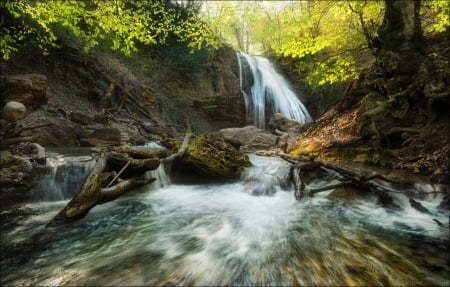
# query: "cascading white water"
63, 177
269, 92
250, 232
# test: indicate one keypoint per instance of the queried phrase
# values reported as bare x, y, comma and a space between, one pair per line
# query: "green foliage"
124, 24
325, 39
435, 16
329, 35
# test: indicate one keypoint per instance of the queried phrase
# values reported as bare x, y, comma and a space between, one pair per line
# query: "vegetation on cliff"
398, 79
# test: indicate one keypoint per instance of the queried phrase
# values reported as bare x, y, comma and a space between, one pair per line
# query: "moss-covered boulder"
212, 156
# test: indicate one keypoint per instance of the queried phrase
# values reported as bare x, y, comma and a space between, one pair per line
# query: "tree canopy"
326, 42
122, 24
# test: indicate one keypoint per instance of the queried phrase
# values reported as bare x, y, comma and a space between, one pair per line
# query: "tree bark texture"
400, 37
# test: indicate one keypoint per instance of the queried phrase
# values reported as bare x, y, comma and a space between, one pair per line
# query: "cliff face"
143, 96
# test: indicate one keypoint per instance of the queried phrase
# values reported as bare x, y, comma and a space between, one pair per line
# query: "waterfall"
270, 93
63, 177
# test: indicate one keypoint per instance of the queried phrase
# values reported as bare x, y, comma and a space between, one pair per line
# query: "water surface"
222, 234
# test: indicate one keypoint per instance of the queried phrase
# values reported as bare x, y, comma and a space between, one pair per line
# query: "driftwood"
117, 176
184, 145
350, 176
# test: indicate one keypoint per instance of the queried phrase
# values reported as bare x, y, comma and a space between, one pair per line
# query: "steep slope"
372, 125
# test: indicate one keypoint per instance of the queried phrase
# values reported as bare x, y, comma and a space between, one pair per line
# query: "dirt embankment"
407, 129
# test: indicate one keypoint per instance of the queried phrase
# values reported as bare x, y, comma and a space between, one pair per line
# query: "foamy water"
222, 234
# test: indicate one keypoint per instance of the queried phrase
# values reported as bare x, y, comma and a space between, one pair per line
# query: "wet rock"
385, 200
212, 156
417, 205
16, 178
262, 184
249, 138
30, 90
14, 111
283, 124
444, 205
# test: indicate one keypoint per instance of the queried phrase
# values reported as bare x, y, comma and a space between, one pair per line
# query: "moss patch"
213, 156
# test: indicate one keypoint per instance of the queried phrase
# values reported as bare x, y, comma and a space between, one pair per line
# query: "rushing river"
221, 234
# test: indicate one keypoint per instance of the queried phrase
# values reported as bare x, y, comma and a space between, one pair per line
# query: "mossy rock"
212, 156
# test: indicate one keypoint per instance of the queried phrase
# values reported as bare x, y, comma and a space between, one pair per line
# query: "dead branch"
184, 145
117, 175
352, 176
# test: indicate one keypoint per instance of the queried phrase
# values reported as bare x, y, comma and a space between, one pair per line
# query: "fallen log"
95, 192
136, 166
110, 193
86, 198
355, 176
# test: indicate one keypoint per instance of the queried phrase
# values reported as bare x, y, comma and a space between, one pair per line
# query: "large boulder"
249, 138
282, 123
58, 132
212, 156
14, 111
30, 90
101, 137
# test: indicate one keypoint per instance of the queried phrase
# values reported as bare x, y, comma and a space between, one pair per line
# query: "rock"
444, 204
81, 118
30, 90
16, 178
249, 138
418, 206
212, 156
102, 137
261, 184
385, 200
283, 124
60, 132
14, 111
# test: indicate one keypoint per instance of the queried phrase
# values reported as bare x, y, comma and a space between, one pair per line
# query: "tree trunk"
400, 37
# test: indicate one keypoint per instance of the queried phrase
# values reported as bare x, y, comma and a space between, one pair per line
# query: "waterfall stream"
270, 93
215, 234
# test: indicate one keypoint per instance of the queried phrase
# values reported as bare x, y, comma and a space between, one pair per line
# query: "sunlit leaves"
435, 16
333, 72
122, 23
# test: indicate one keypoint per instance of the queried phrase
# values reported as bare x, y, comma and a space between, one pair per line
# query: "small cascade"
270, 93
63, 177
161, 175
